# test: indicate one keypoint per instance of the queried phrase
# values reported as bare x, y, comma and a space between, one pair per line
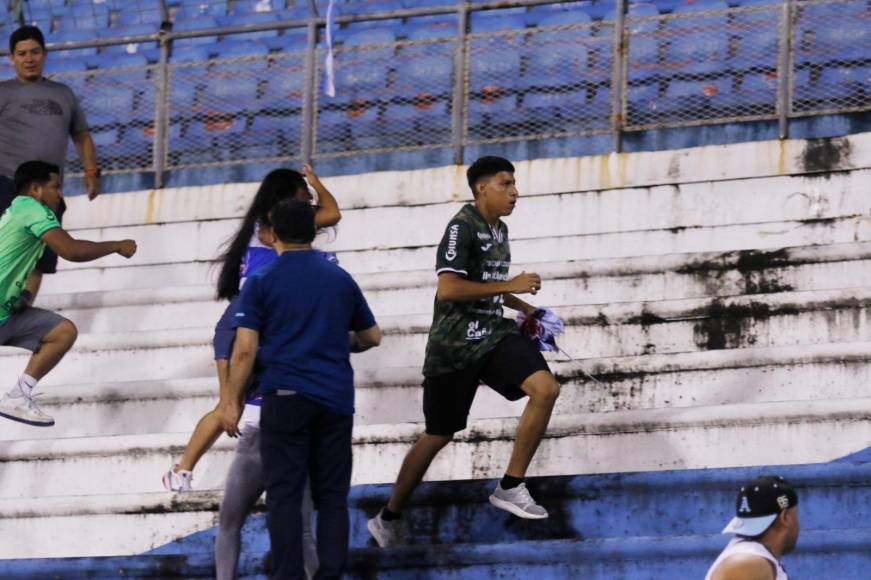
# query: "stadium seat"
697, 53
642, 103
130, 61
90, 16
202, 23
425, 121
201, 9
42, 17
370, 38
495, 71
130, 18
848, 85
182, 101
333, 131
692, 100
493, 21
698, 22
440, 35
229, 93
284, 89
756, 50
642, 10
291, 40
363, 8
131, 48
255, 52
756, 95
643, 61
269, 136
250, 19
554, 111
61, 65
548, 67
488, 111
71, 36
429, 74
241, 7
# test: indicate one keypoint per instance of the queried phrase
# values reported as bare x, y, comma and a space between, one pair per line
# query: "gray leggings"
241, 491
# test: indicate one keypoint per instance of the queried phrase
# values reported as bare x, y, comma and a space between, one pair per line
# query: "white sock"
24, 387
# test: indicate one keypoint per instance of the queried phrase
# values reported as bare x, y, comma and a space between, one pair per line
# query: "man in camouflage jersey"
470, 342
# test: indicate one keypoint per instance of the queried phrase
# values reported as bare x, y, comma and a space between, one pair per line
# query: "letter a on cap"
745, 505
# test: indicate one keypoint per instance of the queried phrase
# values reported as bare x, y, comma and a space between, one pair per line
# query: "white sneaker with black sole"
24, 410
518, 502
386, 533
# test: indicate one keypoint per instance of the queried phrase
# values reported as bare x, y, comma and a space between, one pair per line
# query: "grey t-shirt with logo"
36, 123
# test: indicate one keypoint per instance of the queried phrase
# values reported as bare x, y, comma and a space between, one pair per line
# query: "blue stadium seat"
831, 14
757, 49
71, 36
333, 131
189, 54
182, 100
263, 140
58, 65
284, 89
497, 70
427, 3
292, 40
131, 48
642, 102
548, 111
756, 94
363, 8
430, 74
202, 23
232, 50
110, 61
689, 100
698, 53
642, 10
372, 37
535, 14
446, 31
201, 9
690, 20
358, 76
846, 83
553, 68
229, 93
130, 18
492, 21
428, 116
42, 17
83, 17
255, 18
643, 61
241, 7
489, 110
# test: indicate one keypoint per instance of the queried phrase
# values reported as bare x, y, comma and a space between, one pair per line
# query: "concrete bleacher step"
184, 268
631, 516
614, 330
579, 443
394, 395
647, 278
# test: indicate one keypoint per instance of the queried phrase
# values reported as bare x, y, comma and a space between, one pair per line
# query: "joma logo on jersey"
453, 234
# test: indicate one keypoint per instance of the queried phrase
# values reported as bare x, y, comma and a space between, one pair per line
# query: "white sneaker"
178, 480
518, 502
386, 533
25, 410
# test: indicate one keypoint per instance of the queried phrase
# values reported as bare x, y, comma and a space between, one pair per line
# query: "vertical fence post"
161, 117
311, 81
458, 102
784, 69
619, 49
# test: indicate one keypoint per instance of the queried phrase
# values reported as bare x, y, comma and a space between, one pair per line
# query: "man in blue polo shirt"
300, 318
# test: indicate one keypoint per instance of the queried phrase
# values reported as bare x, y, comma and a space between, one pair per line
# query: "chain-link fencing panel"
549, 81
393, 96
832, 57
234, 110
119, 103
697, 67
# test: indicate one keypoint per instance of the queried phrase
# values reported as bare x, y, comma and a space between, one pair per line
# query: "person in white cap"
766, 527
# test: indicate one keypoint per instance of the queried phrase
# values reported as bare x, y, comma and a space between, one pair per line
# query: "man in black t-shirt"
470, 342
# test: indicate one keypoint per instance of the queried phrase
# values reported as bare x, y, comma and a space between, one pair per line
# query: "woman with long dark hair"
245, 254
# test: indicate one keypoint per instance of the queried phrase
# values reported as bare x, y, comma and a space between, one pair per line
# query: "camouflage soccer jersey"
463, 332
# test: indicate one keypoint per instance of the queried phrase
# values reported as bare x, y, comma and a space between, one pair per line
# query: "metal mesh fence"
119, 103
535, 83
701, 67
526, 74
235, 110
390, 96
832, 61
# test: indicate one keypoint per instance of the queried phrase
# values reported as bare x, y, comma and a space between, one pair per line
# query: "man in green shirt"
470, 342
26, 228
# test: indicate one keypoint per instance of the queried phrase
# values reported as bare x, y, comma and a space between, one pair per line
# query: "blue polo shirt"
303, 306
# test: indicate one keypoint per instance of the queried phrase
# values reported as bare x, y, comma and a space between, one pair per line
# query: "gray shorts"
25, 329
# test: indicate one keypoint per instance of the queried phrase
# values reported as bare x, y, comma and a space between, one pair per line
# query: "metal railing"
467, 82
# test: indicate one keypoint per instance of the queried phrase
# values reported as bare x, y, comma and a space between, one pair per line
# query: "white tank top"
742, 546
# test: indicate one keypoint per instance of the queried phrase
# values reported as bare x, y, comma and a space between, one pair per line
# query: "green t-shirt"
463, 332
21, 245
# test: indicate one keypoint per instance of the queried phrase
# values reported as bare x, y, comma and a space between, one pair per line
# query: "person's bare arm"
454, 288
363, 340
73, 250
328, 213
744, 567
241, 365
88, 155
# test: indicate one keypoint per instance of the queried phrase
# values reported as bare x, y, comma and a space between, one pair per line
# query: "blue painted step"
623, 505
822, 555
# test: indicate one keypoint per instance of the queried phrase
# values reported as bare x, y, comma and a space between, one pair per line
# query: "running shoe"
386, 533
178, 480
25, 410
518, 502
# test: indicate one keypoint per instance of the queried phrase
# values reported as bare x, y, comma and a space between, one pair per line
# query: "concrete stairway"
723, 318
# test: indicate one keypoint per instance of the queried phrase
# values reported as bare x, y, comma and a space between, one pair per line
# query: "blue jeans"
298, 439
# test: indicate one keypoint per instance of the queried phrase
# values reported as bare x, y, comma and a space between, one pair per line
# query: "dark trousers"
47, 264
298, 435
